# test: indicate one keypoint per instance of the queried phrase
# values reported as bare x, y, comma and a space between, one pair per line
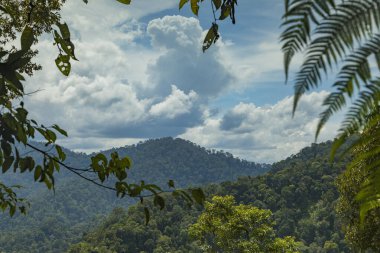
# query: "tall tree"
226, 227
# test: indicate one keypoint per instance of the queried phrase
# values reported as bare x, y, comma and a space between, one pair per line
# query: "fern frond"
354, 71
334, 37
300, 16
367, 102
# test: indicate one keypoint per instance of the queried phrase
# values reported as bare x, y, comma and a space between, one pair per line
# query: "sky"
142, 74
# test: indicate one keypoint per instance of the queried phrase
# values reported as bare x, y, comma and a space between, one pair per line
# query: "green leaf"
15, 56
63, 64
100, 157
37, 172
7, 149
124, 1
52, 137
182, 3
14, 82
217, 3
27, 38
64, 29
7, 163
61, 154
211, 37
12, 210
147, 215
126, 162
171, 184
159, 201
194, 7
60, 130
65, 43
225, 12
198, 195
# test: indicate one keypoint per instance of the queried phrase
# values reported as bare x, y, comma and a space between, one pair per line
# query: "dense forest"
300, 191
54, 220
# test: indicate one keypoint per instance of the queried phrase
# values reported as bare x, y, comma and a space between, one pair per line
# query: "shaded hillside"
189, 164
300, 192
56, 220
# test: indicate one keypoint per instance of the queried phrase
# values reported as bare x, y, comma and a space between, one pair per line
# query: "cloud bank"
137, 80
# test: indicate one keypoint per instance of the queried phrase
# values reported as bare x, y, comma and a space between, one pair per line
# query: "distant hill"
299, 190
56, 220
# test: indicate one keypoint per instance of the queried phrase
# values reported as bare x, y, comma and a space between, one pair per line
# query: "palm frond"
300, 16
336, 35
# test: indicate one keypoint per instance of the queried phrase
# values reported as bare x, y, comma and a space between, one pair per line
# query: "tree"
226, 227
33, 18
343, 35
349, 184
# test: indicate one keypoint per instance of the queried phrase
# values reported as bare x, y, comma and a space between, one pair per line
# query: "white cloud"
264, 134
175, 104
138, 80
183, 62
108, 94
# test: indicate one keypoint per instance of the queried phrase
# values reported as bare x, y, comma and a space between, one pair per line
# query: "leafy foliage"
343, 35
225, 9
362, 228
300, 192
56, 221
226, 227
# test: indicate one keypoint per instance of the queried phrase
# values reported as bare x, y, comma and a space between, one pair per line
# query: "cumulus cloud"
108, 94
138, 80
175, 104
183, 62
267, 133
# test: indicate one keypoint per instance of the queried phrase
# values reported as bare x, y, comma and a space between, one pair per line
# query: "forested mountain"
300, 192
55, 220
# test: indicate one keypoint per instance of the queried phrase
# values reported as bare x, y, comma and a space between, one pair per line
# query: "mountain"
56, 220
300, 191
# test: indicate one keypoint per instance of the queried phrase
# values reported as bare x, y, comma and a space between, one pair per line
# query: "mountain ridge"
56, 220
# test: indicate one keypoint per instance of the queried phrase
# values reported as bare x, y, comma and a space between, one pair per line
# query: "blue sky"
141, 74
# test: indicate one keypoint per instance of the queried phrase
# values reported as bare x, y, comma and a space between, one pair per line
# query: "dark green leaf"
182, 3
60, 130
7, 163
217, 3
194, 6
159, 201
147, 215
61, 154
37, 172
225, 12
64, 29
171, 184
198, 195
63, 64
124, 1
211, 37
27, 38
12, 210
